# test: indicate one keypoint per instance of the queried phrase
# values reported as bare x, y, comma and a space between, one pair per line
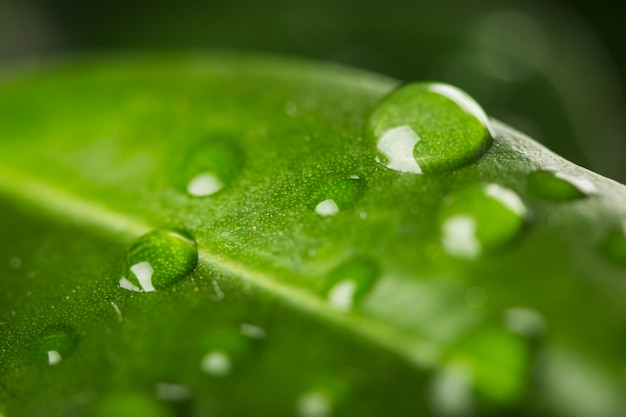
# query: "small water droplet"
172, 392
558, 186
614, 246
130, 405
313, 404
56, 345
429, 127
252, 331
157, 260
452, 391
336, 194
211, 167
525, 321
480, 218
216, 363
349, 283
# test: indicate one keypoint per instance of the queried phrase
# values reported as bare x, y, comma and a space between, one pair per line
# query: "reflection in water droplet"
480, 218
525, 321
558, 186
614, 246
157, 260
211, 167
313, 404
350, 282
429, 127
451, 391
337, 193
216, 363
130, 405
55, 345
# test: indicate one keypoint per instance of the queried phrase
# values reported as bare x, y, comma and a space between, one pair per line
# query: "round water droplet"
349, 283
614, 246
55, 345
157, 260
130, 405
429, 127
336, 194
557, 186
211, 167
480, 218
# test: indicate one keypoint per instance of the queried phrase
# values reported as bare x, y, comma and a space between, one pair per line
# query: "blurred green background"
553, 70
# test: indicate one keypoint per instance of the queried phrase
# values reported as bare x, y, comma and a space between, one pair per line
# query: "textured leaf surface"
325, 282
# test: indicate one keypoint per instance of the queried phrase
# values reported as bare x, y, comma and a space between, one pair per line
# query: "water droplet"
349, 283
429, 127
336, 194
216, 363
525, 321
558, 186
252, 331
56, 345
480, 218
172, 392
313, 404
157, 260
130, 405
211, 167
614, 245
452, 391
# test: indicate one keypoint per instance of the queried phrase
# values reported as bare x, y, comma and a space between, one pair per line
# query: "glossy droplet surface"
336, 194
212, 166
480, 218
557, 186
157, 260
130, 405
55, 345
429, 127
614, 246
349, 283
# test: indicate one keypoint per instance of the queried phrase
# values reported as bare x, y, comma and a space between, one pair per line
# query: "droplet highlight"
211, 167
157, 260
429, 127
479, 219
349, 283
55, 345
558, 186
336, 194
313, 404
216, 363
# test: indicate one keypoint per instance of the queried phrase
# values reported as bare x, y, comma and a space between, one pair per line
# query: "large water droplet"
557, 186
55, 345
211, 167
130, 405
480, 218
350, 282
336, 194
614, 245
157, 260
428, 127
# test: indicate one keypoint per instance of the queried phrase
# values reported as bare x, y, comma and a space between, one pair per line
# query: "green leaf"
242, 235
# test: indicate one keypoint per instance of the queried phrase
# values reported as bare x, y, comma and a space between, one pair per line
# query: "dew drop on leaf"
55, 345
614, 246
558, 186
216, 363
211, 167
479, 219
157, 260
429, 127
336, 193
130, 405
349, 283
